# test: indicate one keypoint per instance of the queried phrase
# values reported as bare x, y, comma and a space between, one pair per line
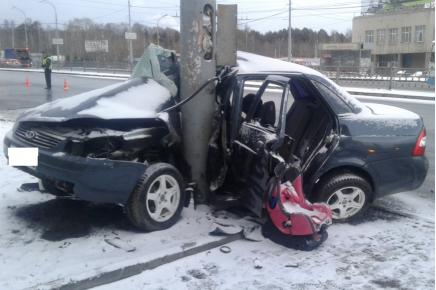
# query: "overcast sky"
315, 14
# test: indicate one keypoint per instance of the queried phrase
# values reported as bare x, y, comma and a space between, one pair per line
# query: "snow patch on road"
46, 241
373, 91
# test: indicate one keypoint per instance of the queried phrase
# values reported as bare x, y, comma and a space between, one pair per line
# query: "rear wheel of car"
347, 194
157, 200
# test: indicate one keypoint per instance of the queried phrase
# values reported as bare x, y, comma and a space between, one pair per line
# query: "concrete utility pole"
56, 23
226, 35
290, 33
25, 24
197, 62
130, 41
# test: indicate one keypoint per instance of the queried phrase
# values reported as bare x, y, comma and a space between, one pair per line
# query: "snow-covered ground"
394, 92
45, 242
382, 251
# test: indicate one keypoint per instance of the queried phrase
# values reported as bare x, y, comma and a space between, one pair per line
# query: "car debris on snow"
250, 229
30, 186
120, 244
225, 249
292, 265
257, 264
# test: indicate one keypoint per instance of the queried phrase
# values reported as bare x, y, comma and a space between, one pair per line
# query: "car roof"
249, 63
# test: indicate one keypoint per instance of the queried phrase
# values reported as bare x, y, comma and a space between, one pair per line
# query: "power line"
266, 17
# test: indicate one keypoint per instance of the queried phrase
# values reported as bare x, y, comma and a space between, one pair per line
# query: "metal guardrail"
381, 77
117, 67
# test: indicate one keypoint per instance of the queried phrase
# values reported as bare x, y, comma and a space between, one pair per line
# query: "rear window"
336, 96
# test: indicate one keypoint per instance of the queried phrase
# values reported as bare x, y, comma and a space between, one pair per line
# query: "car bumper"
96, 180
399, 174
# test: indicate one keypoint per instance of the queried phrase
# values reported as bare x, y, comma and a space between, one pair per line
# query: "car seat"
268, 114
247, 103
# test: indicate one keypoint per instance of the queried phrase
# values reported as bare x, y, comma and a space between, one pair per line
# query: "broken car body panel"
110, 136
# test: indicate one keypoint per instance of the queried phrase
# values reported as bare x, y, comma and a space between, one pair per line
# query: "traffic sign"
57, 41
96, 45
130, 35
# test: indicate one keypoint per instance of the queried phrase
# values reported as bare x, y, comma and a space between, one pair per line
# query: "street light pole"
130, 41
13, 35
290, 34
56, 23
25, 25
157, 27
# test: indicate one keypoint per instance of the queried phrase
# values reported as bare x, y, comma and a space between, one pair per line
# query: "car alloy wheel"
163, 198
157, 200
346, 202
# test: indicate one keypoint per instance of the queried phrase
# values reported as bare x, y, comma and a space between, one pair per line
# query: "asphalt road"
14, 96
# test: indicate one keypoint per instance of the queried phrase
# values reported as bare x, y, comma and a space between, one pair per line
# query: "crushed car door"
258, 136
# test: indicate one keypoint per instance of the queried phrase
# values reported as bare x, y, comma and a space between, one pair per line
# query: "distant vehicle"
16, 57
418, 74
122, 144
401, 72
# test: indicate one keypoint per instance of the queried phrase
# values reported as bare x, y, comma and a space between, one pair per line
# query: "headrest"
268, 115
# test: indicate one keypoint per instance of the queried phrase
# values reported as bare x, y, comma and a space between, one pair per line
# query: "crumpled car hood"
138, 98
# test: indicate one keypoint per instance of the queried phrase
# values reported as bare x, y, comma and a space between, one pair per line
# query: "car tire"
347, 194
157, 200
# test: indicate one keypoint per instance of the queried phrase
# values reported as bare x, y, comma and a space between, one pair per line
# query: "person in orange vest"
46, 64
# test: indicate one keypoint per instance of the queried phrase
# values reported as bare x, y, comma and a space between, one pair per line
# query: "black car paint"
92, 178
96, 180
390, 168
375, 150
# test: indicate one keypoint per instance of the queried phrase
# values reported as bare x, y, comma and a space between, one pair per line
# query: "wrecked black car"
277, 121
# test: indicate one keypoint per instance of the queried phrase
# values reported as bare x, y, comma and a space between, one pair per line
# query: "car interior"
308, 121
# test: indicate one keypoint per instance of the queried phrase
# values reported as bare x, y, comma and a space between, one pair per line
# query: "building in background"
388, 33
400, 37
345, 55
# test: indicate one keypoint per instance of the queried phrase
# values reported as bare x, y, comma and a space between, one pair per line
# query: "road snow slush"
381, 250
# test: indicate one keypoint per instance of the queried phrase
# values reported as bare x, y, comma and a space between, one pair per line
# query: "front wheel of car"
348, 195
157, 201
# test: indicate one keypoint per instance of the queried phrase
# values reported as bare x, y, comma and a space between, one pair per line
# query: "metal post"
197, 65
290, 33
246, 37
25, 24
391, 75
337, 73
130, 41
56, 23
13, 35
157, 27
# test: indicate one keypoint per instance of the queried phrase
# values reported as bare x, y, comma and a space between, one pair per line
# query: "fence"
388, 78
91, 66
382, 78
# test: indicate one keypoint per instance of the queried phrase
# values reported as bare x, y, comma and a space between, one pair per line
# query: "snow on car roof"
254, 63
